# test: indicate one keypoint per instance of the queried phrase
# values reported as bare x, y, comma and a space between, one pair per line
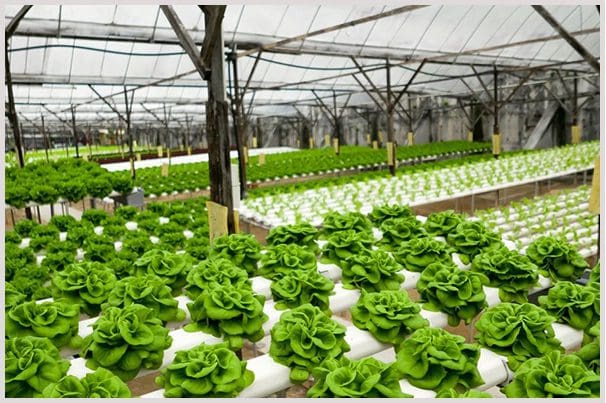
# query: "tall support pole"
12, 113
238, 124
575, 130
129, 134
496, 135
219, 162
74, 132
391, 148
337, 127
45, 136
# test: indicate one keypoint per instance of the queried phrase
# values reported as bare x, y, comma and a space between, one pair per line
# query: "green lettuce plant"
205, 371
390, 316
590, 352
99, 248
58, 261
337, 222
399, 230
416, 254
242, 249
122, 183
197, 248
137, 242
12, 296
509, 271
15, 259
443, 222
283, 259
367, 377
386, 211
126, 212
25, 227
458, 293
43, 194
55, 320
573, 304
95, 216
17, 196
231, 312
12, 237
303, 338
468, 394
99, 187
594, 277
62, 222
42, 235
87, 284
301, 287
371, 270
170, 267
344, 244
302, 234
79, 232
470, 238
215, 272
553, 375
517, 331
556, 258
99, 384
432, 358
124, 340
30, 365
72, 190
31, 280
148, 290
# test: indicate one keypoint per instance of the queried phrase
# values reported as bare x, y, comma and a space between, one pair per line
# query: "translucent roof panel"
110, 46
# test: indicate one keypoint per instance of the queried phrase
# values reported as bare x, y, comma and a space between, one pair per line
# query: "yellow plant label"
335, 144
576, 134
375, 145
470, 136
311, 142
138, 156
368, 139
326, 140
132, 167
160, 151
188, 150
411, 138
217, 220
236, 221
390, 152
496, 144
254, 142
594, 198
245, 152
381, 137
165, 169
261, 159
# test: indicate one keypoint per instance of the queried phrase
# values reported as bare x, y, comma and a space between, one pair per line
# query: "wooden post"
391, 149
496, 134
129, 135
44, 135
219, 163
238, 126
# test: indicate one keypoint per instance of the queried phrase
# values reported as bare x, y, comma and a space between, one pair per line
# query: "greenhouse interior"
302, 201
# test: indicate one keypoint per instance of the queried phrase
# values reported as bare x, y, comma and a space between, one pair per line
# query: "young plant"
416, 254
170, 267
303, 338
573, 304
99, 384
242, 249
470, 238
30, 365
148, 290
283, 259
229, 312
367, 377
57, 321
556, 259
303, 234
215, 272
442, 223
511, 272
205, 371
517, 331
385, 212
371, 270
553, 375
458, 293
337, 222
344, 244
399, 230
301, 287
124, 340
390, 316
432, 358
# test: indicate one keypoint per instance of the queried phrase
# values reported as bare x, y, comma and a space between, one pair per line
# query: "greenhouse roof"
58, 52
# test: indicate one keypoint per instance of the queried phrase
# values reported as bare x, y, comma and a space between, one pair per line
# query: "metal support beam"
75, 132
374, 87
106, 102
517, 87
576, 45
185, 40
129, 107
250, 76
337, 27
237, 111
11, 27
397, 100
391, 162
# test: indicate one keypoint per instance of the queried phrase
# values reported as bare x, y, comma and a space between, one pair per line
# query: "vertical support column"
391, 148
45, 137
411, 133
12, 114
219, 164
337, 134
74, 131
575, 130
496, 134
129, 134
238, 126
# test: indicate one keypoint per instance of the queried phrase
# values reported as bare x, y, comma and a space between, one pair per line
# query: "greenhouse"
302, 201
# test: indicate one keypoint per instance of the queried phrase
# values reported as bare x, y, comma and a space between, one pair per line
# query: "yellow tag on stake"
470, 136
159, 151
165, 169
576, 134
411, 138
496, 144
335, 144
390, 156
326, 140
375, 145
217, 220
261, 159
254, 142
594, 198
